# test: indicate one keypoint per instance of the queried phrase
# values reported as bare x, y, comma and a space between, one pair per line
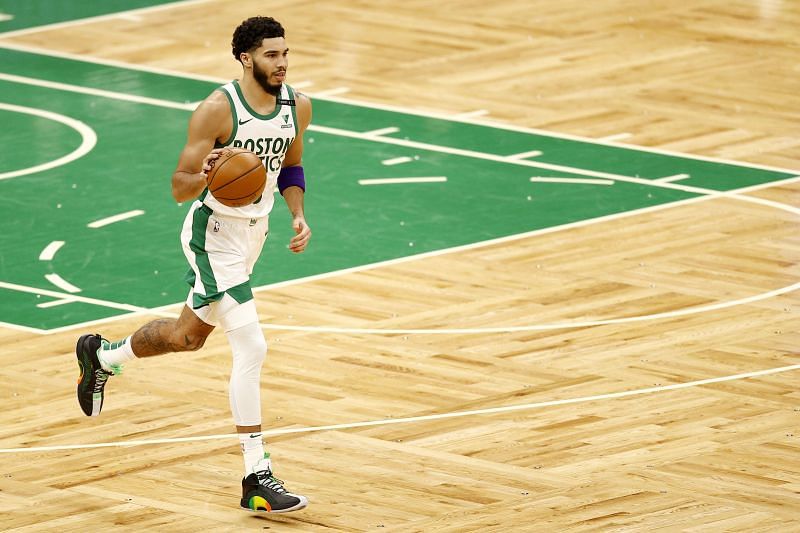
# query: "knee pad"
249, 348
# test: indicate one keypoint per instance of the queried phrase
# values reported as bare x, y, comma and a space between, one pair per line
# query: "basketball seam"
238, 197
234, 180
244, 175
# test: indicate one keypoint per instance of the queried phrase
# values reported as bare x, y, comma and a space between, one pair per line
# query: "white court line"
116, 218
543, 327
397, 109
111, 63
550, 134
423, 418
533, 164
54, 303
670, 179
96, 92
61, 283
467, 153
470, 114
129, 17
161, 310
396, 161
97, 18
302, 84
88, 140
584, 181
498, 158
25, 329
50, 251
525, 155
332, 92
84, 299
615, 137
383, 131
388, 181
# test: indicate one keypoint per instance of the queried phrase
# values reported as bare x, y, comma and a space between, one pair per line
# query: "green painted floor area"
32, 13
139, 261
59, 139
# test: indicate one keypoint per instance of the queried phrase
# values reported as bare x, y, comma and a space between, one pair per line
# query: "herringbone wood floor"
712, 78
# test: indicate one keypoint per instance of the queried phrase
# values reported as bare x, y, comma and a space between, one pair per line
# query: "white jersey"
269, 136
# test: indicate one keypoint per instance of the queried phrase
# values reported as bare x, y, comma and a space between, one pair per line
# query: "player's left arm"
292, 174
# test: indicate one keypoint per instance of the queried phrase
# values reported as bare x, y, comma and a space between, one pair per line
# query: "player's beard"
263, 79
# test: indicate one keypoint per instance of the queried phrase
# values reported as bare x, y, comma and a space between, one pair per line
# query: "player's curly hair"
249, 34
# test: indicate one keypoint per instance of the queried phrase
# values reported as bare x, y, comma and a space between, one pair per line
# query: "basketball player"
263, 114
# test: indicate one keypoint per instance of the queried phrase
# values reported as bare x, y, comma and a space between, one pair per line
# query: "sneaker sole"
97, 402
302, 505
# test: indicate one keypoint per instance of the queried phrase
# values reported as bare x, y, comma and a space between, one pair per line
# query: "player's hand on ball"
207, 162
303, 234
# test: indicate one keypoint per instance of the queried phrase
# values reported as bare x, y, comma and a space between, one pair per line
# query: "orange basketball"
237, 177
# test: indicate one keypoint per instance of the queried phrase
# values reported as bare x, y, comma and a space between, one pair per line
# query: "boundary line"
398, 109
74, 297
66, 87
466, 153
423, 418
162, 310
97, 18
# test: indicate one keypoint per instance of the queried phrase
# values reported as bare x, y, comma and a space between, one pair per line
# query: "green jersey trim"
253, 111
233, 116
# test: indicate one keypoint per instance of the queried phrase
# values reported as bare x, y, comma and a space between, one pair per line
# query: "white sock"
253, 451
113, 354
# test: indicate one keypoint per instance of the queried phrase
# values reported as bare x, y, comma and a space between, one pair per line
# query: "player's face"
270, 61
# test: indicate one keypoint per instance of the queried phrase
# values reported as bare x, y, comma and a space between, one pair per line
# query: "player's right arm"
211, 122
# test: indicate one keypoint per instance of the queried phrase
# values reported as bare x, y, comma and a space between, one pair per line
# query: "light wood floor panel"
712, 78
666, 76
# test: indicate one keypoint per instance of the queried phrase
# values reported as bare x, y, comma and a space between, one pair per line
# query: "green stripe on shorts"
241, 293
198, 245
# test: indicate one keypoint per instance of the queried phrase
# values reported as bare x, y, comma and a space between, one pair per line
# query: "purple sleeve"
291, 176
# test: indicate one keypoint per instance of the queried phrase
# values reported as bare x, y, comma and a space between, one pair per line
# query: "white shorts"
221, 251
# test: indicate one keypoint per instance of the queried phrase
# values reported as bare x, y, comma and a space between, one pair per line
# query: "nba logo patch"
216, 226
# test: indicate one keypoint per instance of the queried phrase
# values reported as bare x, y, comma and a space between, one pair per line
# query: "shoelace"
100, 378
266, 479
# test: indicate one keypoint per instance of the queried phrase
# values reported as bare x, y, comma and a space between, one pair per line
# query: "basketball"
237, 177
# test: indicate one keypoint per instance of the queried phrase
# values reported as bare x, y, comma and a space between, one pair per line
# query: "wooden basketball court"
635, 371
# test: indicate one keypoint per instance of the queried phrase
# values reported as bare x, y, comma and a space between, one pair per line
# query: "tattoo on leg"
154, 338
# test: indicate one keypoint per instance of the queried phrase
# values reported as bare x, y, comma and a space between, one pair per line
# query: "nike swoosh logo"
255, 435
80, 378
241, 122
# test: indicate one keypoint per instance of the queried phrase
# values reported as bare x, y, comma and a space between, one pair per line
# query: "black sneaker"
261, 491
93, 377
